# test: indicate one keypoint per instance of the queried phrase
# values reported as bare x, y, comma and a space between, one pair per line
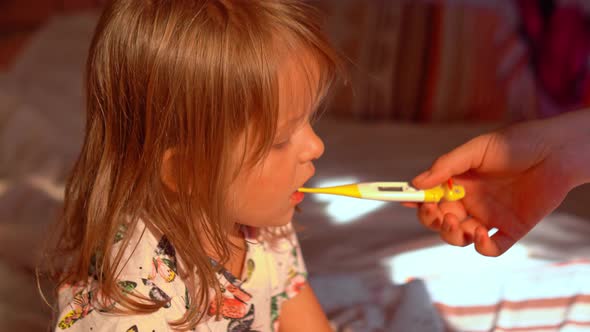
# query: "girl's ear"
169, 161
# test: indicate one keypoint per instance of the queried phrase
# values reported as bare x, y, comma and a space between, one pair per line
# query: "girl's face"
266, 194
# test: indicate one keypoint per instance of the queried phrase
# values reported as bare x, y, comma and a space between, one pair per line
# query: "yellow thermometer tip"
350, 190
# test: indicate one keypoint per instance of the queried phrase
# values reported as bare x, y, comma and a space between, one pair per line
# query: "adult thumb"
456, 162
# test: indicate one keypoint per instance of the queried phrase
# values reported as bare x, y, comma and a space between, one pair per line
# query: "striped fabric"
548, 297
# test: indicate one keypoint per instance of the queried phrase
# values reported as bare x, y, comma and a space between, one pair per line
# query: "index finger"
458, 161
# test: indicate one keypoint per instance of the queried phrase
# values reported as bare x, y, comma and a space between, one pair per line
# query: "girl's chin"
276, 222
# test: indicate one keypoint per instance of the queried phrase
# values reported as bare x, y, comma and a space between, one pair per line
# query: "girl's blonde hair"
186, 75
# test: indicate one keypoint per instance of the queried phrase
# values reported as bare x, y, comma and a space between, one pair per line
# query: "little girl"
177, 214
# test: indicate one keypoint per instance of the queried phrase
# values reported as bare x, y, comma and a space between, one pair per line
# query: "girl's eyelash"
286, 142
281, 144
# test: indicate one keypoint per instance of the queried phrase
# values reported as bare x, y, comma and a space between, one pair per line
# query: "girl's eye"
281, 145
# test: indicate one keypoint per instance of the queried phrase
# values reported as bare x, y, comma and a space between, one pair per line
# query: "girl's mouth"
297, 197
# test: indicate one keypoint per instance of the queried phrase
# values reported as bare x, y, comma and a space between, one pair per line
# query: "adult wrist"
573, 148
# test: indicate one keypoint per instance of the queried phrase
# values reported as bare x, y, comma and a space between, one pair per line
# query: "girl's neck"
237, 245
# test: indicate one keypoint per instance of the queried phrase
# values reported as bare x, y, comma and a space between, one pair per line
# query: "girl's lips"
297, 197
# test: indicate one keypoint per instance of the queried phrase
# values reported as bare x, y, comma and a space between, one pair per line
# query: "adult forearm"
571, 134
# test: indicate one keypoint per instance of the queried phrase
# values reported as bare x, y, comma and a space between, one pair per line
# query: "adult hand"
512, 178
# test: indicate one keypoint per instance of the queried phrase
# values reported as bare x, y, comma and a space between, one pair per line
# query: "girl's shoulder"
278, 241
148, 255
149, 271
281, 251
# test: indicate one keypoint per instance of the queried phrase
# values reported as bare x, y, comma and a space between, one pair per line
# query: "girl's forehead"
298, 80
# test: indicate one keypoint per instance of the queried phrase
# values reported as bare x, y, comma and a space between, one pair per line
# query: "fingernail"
446, 227
477, 237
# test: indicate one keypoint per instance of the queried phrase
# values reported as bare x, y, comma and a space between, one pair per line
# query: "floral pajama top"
271, 275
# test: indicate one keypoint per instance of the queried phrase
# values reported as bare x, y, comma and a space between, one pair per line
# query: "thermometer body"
392, 191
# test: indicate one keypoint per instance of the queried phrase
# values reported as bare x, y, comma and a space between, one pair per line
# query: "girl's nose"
313, 145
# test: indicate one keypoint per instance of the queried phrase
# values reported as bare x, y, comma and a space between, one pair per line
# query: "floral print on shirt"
272, 275
82, 305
